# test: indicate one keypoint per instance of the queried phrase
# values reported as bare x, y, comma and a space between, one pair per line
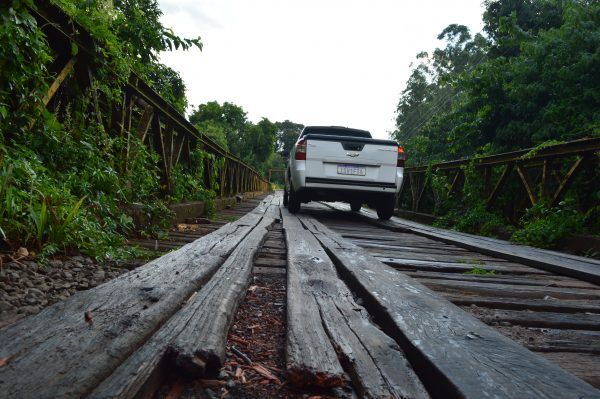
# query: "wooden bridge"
374, 309
328, 302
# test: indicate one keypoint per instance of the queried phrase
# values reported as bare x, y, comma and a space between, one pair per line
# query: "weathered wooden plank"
310, 357
455, 354
270, 262
586, 269
126, 311
573, 321
511, 291
194, 338
584, 365
410, 249
528, 280
473, 259
549, 305
374, 361
200, 347
457, 267
560, 340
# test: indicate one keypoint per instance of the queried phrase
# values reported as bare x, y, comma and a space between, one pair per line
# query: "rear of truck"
342, 164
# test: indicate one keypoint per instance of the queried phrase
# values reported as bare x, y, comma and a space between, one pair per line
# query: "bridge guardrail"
538, 170
142, 112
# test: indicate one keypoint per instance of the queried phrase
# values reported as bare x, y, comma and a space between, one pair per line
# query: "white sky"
316, 62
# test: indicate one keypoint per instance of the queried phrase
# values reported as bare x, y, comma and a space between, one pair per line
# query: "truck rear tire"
355, 206
293, 201
285, 197
385, 209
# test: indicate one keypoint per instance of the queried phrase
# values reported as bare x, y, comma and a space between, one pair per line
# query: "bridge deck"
370, 309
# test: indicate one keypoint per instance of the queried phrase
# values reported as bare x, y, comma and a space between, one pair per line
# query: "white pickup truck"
332, 163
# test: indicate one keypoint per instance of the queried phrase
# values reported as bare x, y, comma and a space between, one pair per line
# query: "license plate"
351, 170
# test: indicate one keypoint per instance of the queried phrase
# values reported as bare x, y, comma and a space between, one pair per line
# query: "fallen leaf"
22, 252
88, 318
265, 373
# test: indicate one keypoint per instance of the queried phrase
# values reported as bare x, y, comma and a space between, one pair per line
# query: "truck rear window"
335, 131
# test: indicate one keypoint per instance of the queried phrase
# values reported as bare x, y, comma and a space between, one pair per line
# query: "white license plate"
351, 170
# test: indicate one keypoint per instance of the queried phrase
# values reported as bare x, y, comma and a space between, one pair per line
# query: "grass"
477, 271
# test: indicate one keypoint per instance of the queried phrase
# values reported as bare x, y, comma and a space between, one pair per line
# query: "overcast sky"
315, 62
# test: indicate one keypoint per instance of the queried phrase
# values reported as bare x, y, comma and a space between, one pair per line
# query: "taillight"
300, 154
401, 157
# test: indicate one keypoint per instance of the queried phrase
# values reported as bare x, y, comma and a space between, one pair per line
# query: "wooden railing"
142, 111
545, 173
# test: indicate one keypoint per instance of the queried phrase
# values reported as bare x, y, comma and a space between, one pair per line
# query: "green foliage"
188, 182
65, 182
477, 271
287, 134
24, 59
255, 144
544, 226
533, 81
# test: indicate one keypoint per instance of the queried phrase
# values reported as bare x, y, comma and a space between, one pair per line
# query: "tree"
287, 134
229, 117
138, 25
535, 80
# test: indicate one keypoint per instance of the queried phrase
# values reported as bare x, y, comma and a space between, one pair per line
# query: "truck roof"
335, 131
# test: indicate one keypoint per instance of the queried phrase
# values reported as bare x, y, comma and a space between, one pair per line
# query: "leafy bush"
544, 226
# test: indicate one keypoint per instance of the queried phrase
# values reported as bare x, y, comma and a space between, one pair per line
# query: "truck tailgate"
346, 158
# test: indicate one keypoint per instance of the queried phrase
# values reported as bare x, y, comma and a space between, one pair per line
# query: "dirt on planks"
255, 363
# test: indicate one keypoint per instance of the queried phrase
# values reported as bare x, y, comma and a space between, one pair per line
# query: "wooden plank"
563, 305
555, 340
310, 357
193, 340
468, 258
126, 311
270, 262
528, 280
403, 248
575, 321
510, 290
456, 267
376, 364
455, 354
586, 269
584, 365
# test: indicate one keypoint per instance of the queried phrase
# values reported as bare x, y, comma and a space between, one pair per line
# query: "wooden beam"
183, 141
487, 176
496, 191
527, 184
145, 122
455, 181
422, 192
567, 181
546, 174
324, 324
60, 78
449, 348
126, 311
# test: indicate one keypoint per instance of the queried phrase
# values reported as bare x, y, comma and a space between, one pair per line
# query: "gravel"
27, 287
